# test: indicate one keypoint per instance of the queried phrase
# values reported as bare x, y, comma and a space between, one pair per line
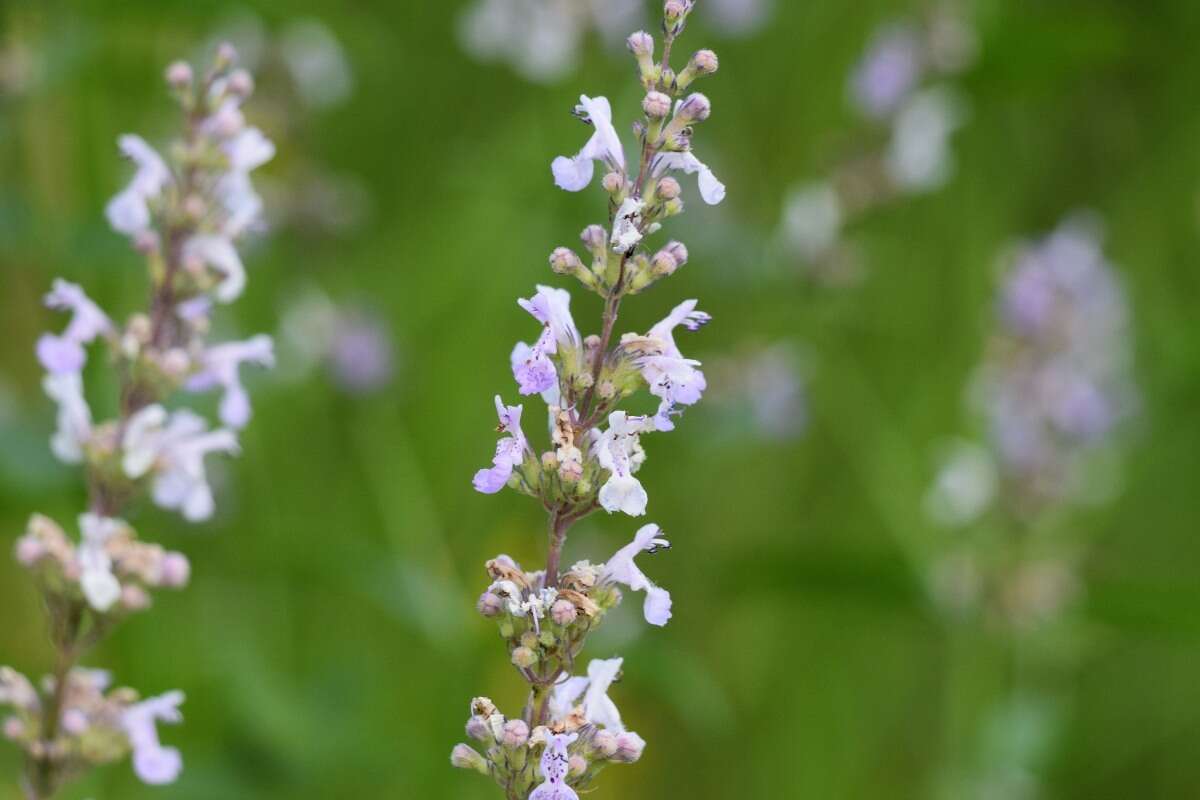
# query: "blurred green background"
328, 644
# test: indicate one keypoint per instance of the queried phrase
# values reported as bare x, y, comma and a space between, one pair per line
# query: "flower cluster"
899, 89
569, 725
183, 212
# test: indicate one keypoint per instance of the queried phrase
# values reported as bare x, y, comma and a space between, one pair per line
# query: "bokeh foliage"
328, 644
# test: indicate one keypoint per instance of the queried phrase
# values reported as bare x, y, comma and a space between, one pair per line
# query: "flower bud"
679, 251
570, 471
194, 207
656, 105
516, 733
134, 598
226, 55
549, 461
641, 44
524, 657
529, 639
176, 362
175, 571
668, 188
241, 83
179, 75
605, 743
694, 108
607, 390
477, 729
663, 263
464, 757
595, 239
140, 328
146, 242
564, 261
490, 604
577, 765
563, 612
704, 62
29, 551
74, 721
629, 747
613, 182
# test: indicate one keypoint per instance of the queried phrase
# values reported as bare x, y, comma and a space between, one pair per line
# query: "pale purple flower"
618, 451
887, 73
555, 766
360, 354
575, 173
622, 569
129, 212
532, 367
712, 191
65, 353
96, 579
219, 253
219, 368
598, 708
510, 450
74, 416
154, 764
174, 447
672, 378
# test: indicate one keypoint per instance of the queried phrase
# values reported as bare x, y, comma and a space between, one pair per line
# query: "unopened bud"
605, 743
176, 570
694, 108
641, 44
139, 327
176, 362
704, 62
516, 733
529, 639
478, 729
226, 55
549, 460
524, 657
656, 105
663, 263
194, 207
595, 239
679, 251
13, 728
607, 390
668, 188
464, 757
563, 612
146, 242
629, 747
570, 471
564, 261
613, 182
179, 75
577, 765
490, 604
29, 551
74, 721
134, 598
241, 83
591, 341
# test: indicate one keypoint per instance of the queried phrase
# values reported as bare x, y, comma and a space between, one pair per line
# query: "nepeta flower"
622, 569
153, 763
619, 451
712, 191
555, 767
888, 72
220, 365
129, 211
575, 173
96, 578
919, 158
627, 225
598, 707
672, 378
510, 450
65, 353
218, 253
74, 416
532, 367
174, 447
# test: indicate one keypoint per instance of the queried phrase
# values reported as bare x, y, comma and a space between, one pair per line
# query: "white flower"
128, 212
671, 377
918, 158
965, 485
153, 763
598, 708
220, 368
627, 225
96, 579
812, 219
74, 416
218, 252
712, 191
174, 448
622, 569
615, 450
65, 353
575, 173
